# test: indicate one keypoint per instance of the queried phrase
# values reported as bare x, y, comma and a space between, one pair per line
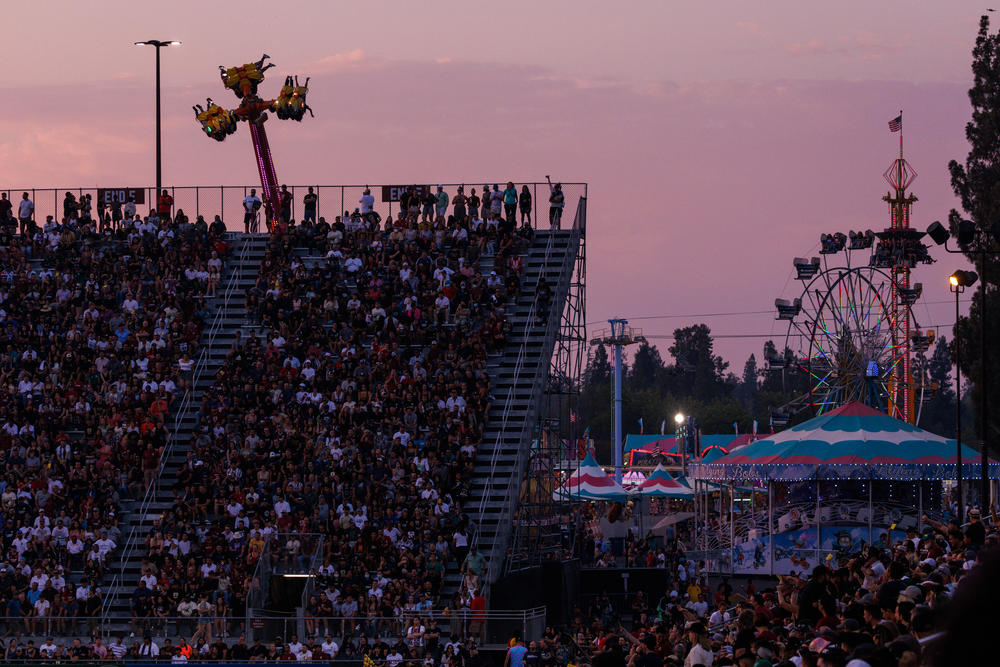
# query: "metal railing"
212, 200
258, 585
523, 428
118, 581
489, 627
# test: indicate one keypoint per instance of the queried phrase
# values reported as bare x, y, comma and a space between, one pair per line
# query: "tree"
647, 368
938, 413
702, 371
977, 185
748, 391
598, 369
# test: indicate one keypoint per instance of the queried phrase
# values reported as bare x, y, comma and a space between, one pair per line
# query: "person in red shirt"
478, 607
164, 204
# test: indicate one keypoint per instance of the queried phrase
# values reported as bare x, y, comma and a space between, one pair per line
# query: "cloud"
337, 61
752, 28
813, 47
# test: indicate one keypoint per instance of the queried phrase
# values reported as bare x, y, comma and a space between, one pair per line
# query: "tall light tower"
620, 336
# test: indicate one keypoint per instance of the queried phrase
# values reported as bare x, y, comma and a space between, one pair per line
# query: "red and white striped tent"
590, 482
660, 484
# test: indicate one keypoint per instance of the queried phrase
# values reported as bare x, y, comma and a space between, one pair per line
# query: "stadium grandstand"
306, 444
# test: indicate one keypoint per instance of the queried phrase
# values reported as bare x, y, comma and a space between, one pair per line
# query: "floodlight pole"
158, 44
982, 241
957, 289
620, 336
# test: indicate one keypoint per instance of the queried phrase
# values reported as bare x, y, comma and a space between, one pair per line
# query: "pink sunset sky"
719, 139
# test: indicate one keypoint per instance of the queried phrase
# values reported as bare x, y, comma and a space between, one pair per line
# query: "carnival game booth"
825, 488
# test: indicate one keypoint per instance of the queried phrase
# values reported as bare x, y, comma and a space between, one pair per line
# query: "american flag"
896, 124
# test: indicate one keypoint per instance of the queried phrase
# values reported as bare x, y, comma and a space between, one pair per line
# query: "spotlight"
938, 232
963, 278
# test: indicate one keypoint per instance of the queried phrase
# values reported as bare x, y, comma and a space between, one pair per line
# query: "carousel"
824, 489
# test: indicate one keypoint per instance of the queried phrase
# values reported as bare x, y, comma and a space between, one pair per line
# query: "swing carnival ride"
852, 330
218, 123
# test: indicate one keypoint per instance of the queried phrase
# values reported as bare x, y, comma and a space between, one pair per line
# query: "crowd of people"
98, 322
436, 648
341, 432
926, 600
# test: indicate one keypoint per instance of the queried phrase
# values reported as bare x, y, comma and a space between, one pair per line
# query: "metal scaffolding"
541, 525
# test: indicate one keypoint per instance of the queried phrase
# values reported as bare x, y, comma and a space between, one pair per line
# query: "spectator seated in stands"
94, 322
348, 416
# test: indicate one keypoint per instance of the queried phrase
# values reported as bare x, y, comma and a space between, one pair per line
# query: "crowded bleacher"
96, 319
342, 430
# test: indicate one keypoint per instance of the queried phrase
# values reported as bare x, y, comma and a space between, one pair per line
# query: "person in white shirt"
329, 647
149, 579
25, 211
105, 545
251, 206
48, 649
719, 616
442, 306
701, 649
281, 507
367, 202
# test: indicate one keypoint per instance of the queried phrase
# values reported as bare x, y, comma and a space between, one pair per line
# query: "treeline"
695, 381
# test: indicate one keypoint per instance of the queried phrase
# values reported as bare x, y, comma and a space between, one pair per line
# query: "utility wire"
744, 312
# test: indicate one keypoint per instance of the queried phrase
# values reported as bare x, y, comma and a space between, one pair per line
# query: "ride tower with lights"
218, 123
900, 175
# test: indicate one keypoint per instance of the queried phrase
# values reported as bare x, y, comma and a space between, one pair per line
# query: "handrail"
194, 197
256, 576
513, 483
508, 404
310, 586
118, 582
159, 627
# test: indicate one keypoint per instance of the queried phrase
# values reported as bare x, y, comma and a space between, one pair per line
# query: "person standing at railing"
25, 215
524, 203
510, 206
164, 205
251, 212
557, 201
309, 202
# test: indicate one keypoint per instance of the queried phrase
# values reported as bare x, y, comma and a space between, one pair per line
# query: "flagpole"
900, 135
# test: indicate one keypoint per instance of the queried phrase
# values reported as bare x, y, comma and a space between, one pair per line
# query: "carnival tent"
660, 484
590, 482
853, 441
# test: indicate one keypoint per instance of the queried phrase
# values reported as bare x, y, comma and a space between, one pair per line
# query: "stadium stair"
228, 312
502, 456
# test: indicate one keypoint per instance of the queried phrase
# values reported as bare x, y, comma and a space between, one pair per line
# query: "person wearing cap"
975, 531
701, 646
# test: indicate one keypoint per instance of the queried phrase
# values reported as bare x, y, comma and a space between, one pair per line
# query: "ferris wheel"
852, 334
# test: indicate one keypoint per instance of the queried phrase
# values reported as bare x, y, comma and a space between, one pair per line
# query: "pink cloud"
813, 47
336, 62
